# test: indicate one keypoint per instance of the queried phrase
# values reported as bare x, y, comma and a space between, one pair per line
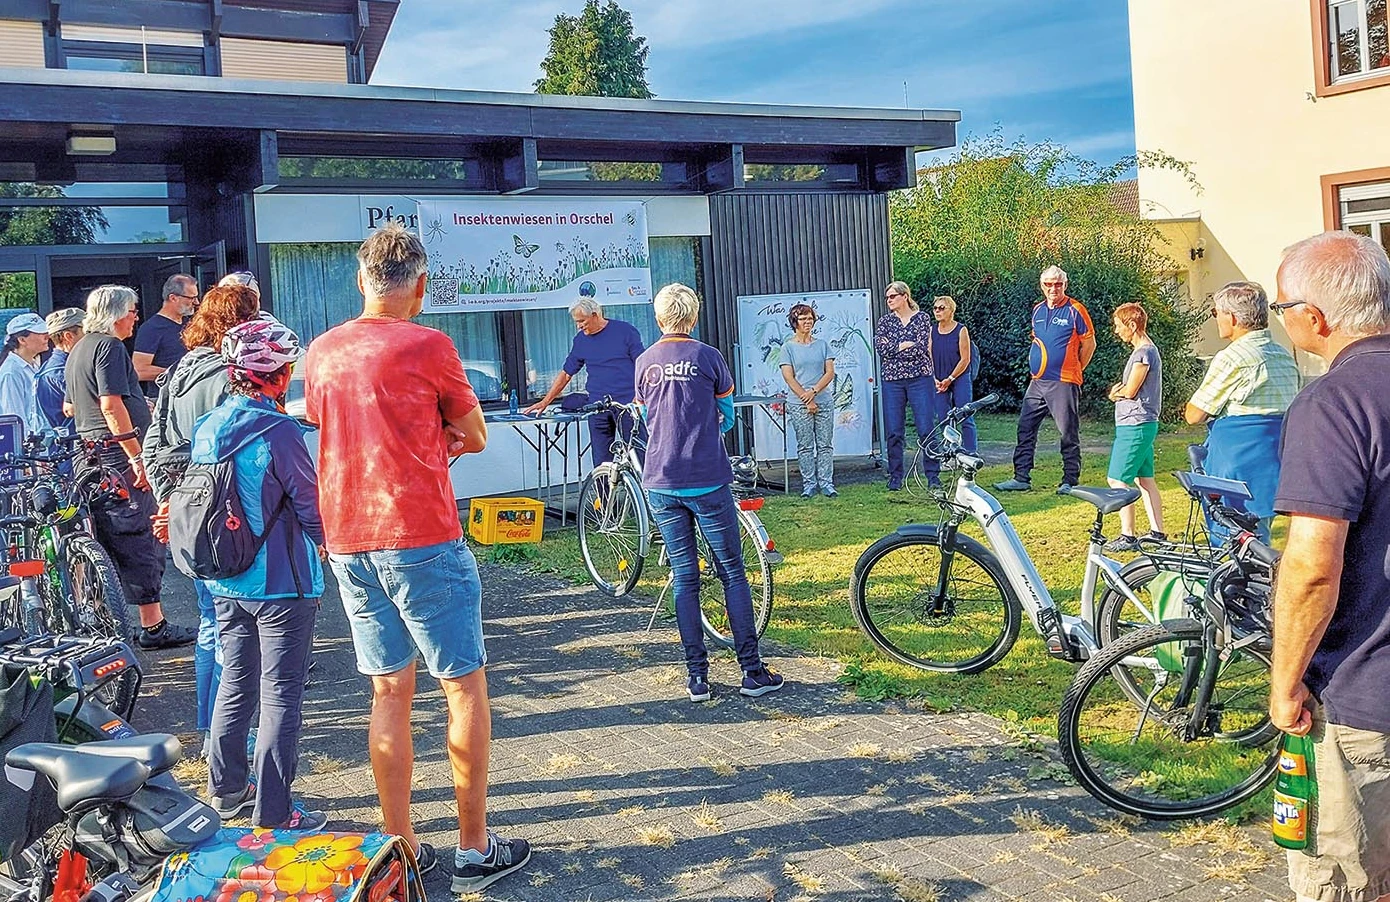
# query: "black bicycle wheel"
714, 613
1137, 758
99, 610
967, 628
613, 529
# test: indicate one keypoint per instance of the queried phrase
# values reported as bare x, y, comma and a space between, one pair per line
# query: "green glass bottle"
1295, 788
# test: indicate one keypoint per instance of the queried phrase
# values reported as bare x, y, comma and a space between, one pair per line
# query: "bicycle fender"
917, 529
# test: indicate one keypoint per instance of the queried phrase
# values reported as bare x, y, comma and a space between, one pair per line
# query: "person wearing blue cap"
26, 338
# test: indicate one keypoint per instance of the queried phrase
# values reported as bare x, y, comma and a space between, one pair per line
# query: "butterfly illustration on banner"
524, 249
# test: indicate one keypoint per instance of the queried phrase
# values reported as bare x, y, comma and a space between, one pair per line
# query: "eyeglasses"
894, 294
190, 297
1281, 306
941, 308
1054, 284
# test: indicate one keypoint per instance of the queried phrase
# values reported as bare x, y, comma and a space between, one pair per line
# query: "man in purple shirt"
1331, 662
608, 349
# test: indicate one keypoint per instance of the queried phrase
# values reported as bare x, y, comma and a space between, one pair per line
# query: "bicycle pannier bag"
209, 535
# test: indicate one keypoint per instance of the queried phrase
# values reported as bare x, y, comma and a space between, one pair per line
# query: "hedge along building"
150, 137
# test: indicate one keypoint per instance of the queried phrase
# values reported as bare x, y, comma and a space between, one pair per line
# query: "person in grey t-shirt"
809, 368
1138, 398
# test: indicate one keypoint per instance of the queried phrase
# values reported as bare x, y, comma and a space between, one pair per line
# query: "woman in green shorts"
1138, 398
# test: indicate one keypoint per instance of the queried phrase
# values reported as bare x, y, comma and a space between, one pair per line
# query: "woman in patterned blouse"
903, 341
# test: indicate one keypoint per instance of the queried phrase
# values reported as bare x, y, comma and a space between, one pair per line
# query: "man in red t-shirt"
392, 403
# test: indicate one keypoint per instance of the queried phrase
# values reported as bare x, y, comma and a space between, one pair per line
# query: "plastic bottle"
1295, 788
511, 401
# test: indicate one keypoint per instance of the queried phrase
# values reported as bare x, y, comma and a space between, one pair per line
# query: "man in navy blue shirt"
159, 342
1331, 663
51, 384
609, 349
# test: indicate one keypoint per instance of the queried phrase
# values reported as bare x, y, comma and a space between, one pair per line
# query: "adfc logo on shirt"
680, 371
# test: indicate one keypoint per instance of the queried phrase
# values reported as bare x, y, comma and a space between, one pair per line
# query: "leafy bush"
983, 226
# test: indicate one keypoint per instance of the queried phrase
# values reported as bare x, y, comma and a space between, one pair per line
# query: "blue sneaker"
474, 873
760, 682
698, 685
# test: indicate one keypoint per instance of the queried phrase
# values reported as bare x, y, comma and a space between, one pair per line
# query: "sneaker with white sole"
698, 687
474, 872
760, 682
228, 807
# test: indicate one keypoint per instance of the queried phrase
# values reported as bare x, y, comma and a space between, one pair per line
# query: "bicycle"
78, 668
931, 597
1171, 720
616, 532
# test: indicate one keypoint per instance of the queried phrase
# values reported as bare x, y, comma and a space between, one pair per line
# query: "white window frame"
1363, 48
1378, 220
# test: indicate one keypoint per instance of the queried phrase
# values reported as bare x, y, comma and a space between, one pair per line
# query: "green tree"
595, 54
982, 226
46, 225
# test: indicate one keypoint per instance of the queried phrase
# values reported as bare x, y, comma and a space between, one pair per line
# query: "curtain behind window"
315, 288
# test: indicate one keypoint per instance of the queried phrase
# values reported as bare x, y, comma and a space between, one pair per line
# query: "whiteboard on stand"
846, 324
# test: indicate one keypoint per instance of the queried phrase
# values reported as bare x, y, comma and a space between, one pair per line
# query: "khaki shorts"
1348, 854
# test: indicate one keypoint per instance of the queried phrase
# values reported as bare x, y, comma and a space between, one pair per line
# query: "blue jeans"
407, 602
266, 646
207, 655
920, 392
717, 517
961, 392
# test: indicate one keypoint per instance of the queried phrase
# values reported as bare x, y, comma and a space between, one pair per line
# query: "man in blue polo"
1063, 343
608, 349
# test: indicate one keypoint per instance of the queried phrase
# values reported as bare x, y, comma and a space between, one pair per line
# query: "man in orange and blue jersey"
1063, 343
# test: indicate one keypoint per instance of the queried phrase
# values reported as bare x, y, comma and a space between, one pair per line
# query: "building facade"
148, 137
1283, 111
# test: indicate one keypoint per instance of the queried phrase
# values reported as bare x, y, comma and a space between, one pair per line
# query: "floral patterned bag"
266, 865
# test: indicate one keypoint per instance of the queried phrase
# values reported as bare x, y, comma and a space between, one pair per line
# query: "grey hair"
1054, 270
905, 290
175, 283
1345, 275
677, 307
392, 258
107, 304
1246, 302
586, 306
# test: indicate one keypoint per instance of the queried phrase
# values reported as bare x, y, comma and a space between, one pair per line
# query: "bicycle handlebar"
1259, 552
965, 411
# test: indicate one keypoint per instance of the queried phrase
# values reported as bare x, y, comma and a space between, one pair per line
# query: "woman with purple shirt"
903, 341
687, 397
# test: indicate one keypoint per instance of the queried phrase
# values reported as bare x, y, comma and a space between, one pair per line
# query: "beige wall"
284, 61
1229, 86
21, 44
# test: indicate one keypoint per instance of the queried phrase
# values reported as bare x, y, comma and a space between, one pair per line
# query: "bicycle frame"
1070, 637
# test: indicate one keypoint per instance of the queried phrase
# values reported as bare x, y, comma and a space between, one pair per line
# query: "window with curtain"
548, 333
315, 288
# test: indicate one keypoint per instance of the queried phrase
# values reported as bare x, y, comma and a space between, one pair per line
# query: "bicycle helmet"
257, 347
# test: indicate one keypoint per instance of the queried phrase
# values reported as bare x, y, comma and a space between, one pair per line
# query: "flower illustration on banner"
312, 863
177, 866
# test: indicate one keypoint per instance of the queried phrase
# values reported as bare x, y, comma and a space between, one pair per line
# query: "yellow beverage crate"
502, 521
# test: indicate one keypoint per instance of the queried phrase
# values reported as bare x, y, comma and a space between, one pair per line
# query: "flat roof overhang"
66, 97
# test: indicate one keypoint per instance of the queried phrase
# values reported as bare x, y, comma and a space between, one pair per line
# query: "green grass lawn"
822, 538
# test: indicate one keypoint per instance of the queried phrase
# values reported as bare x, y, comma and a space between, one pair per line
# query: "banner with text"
490, 254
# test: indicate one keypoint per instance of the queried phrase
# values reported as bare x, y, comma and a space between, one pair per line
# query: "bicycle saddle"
1107, 501
157, 751
78, 776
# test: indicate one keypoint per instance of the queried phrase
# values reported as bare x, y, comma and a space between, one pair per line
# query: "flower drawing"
312, 863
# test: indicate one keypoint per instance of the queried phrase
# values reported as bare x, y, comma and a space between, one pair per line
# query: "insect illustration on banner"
524, 249
631, 218
435, 231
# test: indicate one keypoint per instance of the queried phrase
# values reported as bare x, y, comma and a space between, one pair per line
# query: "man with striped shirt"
1248, 386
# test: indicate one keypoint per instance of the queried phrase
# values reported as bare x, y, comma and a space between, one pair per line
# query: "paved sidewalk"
629, 791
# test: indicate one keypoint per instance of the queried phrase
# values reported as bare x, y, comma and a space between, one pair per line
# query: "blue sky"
1039, 69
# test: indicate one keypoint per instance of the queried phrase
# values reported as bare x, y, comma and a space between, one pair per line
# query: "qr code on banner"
444, 292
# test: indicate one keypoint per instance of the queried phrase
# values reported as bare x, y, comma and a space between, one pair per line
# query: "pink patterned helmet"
259, 346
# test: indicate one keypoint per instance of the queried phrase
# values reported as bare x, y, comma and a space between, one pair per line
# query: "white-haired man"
608, 349
1247, 388
1331, 661
1064, 341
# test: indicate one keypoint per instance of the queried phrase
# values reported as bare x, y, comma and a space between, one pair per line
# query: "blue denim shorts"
410, 602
